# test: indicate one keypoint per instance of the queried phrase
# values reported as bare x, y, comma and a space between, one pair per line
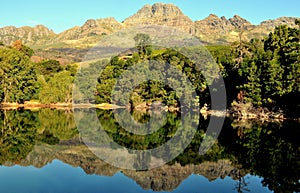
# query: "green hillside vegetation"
23, 80
263, 72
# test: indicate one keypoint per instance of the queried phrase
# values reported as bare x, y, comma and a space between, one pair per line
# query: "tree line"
264, 72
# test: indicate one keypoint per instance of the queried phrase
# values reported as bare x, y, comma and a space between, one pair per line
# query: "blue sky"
60, 15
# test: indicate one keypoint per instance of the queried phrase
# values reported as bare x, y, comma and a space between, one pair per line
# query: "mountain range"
211, 30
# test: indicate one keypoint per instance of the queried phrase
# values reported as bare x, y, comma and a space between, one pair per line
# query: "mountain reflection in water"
41, 151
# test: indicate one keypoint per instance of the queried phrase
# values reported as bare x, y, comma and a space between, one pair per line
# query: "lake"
43, 151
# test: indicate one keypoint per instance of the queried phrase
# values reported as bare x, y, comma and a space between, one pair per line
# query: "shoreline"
36, 105
245, 115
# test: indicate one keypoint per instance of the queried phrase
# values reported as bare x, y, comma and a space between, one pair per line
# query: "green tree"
143, 43
271, 69
49, 67
283, 47
57, 89
18, 79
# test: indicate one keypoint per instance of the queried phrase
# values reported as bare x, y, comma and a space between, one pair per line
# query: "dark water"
42, 151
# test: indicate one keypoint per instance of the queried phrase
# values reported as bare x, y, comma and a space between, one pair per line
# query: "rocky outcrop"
239, 23
90, 28
216, 30
27, 34
161, 14
213, 25
270, 24
265, 27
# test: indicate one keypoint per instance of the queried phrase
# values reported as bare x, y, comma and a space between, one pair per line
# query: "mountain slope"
213, 29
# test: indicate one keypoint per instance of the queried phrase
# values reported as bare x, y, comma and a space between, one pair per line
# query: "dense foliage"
17, 76
22, 80
263, 72
271, 68
152, 90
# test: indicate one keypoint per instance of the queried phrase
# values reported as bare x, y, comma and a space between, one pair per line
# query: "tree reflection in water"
270, 150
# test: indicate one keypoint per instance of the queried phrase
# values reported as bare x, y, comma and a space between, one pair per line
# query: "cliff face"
239, 23
217, 30
265, 27
213, 29
213, 24
161, 14
221, 30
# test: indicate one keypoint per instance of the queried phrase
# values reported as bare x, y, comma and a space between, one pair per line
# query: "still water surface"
41, 151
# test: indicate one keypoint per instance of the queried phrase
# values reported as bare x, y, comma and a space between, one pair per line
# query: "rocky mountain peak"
42, 27
239, 22
223, 18
290, 21
109, 23
211, 17
158, 10
165, 9
103, 22
90, 23
161, 14
213, 25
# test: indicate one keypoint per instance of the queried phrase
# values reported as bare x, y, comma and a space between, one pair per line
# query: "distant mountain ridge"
27, 34
212, 29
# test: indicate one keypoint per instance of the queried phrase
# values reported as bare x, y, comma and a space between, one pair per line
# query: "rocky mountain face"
90, 28
27, 34
213, 29
161, 14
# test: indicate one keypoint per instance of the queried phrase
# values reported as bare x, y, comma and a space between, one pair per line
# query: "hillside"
211, 30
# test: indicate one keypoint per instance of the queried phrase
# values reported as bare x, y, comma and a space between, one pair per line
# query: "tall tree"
271, 70
17, 76
143, 43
